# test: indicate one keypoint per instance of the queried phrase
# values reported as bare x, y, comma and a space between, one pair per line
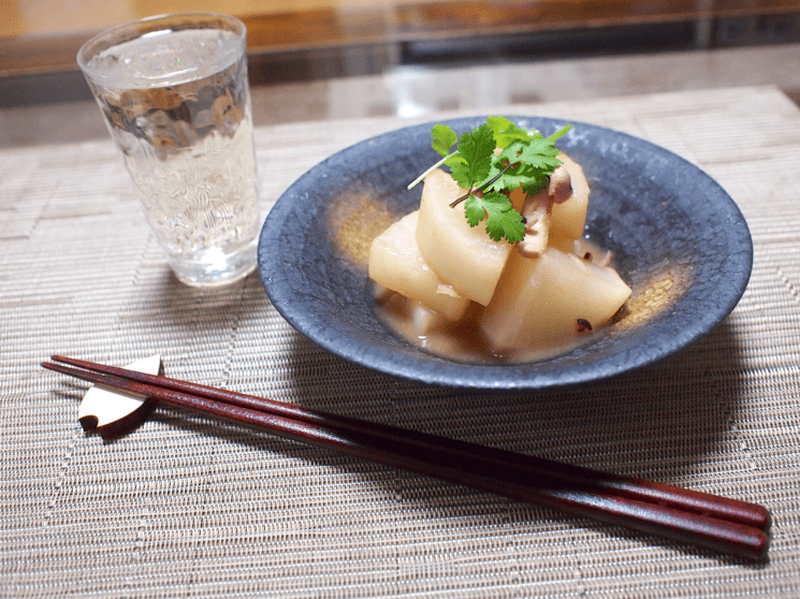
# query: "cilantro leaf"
526, 159
506, 132
444, 138
473, 160
518, 175
501, 218
540, 153
531, 165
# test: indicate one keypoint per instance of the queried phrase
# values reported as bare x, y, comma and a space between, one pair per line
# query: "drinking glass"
176, 100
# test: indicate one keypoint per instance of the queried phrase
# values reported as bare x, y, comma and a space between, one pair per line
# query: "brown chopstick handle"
723, 508
511, 479
727, 537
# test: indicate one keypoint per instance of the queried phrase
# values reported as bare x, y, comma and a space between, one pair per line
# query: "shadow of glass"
194, 329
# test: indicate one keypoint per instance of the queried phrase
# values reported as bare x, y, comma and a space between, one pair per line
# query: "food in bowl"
493, 265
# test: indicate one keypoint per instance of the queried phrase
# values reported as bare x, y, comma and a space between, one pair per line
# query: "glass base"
214, 268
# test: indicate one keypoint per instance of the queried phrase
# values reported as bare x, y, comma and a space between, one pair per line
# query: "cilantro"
505, 131
501, 218
526, 159
471, 164
444, 138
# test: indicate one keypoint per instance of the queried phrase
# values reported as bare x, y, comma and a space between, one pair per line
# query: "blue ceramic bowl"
678, 239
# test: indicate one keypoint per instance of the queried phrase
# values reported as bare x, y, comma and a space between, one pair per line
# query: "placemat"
189, 507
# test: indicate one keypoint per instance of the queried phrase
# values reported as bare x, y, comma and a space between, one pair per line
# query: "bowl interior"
678, 240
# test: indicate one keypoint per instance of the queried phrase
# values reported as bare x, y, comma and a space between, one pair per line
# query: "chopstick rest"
717, 523
114, 411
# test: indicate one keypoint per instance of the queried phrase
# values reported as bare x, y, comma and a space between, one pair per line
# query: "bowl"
678, 239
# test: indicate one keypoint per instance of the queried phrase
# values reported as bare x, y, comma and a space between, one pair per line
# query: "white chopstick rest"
102, 406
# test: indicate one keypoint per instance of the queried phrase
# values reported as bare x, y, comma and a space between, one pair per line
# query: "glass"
176, 100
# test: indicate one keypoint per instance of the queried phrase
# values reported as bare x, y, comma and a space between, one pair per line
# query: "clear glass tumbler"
175, 96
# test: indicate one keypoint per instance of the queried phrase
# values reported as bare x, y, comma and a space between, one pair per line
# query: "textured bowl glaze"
678, 239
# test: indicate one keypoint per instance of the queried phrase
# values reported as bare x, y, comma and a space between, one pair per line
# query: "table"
189, 507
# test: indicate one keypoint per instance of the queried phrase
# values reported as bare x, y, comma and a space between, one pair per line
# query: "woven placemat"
188, 507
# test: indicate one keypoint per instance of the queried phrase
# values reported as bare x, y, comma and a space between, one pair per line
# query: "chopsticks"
721, 524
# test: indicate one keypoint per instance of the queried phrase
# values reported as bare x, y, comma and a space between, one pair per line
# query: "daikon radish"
550, 300
396, 263
463, 256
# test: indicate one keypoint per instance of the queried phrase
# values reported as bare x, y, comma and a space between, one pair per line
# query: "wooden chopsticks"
721, 524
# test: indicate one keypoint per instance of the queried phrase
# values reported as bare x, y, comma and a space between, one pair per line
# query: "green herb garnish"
526, 159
